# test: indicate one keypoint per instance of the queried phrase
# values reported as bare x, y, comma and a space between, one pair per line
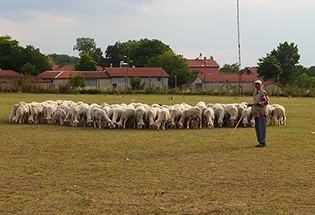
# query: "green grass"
52, 169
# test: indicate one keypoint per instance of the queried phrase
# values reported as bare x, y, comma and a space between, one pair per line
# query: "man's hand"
254, 104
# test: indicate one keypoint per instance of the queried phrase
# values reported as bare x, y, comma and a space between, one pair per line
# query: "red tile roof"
200, 62
250, 71
141, 72
230, 77
9, 73
67, 74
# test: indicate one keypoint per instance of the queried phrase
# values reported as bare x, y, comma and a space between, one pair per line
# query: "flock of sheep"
141, 116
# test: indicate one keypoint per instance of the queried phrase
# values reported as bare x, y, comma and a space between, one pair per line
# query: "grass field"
52, 169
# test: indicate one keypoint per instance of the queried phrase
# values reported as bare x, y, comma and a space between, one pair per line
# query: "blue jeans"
260, 127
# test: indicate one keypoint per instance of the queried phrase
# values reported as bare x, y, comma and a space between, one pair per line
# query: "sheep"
85, 115
59, 115
230, 114
117, 114
140, 114
35, 113
127, 114
240, 108
50, 111
248, 117
72, 116
278, 115
193, 113
218, 115
99, 116
151, 116
269, 110
21, 114
164, 116
13, 110
176, 114
208, 118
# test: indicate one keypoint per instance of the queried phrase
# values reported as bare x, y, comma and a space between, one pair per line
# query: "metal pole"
204, 74
239, 45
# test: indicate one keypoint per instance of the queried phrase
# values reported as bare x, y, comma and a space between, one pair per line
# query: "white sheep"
101, 119
127, 114
140, 115
163, 117
278, 115
230, 115
152, 116
218, 115
59, 115
208, 118
190, 114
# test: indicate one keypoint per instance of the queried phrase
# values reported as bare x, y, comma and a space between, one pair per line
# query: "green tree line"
281, 64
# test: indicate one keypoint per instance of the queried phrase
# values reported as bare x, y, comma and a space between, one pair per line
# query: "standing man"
259, 106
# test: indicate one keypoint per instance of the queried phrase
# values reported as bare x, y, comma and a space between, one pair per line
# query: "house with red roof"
155, 76
7, 76
225, 82
108, 77
205, 66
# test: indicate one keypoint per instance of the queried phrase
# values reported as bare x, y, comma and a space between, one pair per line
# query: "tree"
77, 81
63, 59
136, 84
88, 45
145, 50
14, 57
33, 56
137, 52
311, 71
269, 68
233, 68
174, 65
86, 63
305, 82
28, 69
287, 57
10, 54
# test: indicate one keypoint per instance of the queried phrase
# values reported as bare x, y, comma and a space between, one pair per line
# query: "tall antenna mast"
239, 46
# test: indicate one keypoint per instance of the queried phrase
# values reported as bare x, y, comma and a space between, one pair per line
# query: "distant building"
205, 66
108, 78
225, 82
8, 76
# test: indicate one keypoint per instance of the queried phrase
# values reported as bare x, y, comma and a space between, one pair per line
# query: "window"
159, 79
211, 68
210, 73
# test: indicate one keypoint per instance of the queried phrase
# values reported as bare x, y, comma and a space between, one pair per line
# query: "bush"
64, 88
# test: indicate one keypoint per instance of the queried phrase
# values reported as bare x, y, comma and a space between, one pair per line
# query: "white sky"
189, 27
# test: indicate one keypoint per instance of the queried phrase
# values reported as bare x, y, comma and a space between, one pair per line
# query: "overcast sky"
188, 27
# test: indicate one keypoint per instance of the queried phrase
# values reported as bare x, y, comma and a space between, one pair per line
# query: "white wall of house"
92, 83
120, 82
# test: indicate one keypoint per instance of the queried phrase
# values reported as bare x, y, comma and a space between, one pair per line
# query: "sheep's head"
220, 123
140, 125
90, 122
152, 125
76, 123
111, 125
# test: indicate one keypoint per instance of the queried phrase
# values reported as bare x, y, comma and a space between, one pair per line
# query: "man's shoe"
260, 145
